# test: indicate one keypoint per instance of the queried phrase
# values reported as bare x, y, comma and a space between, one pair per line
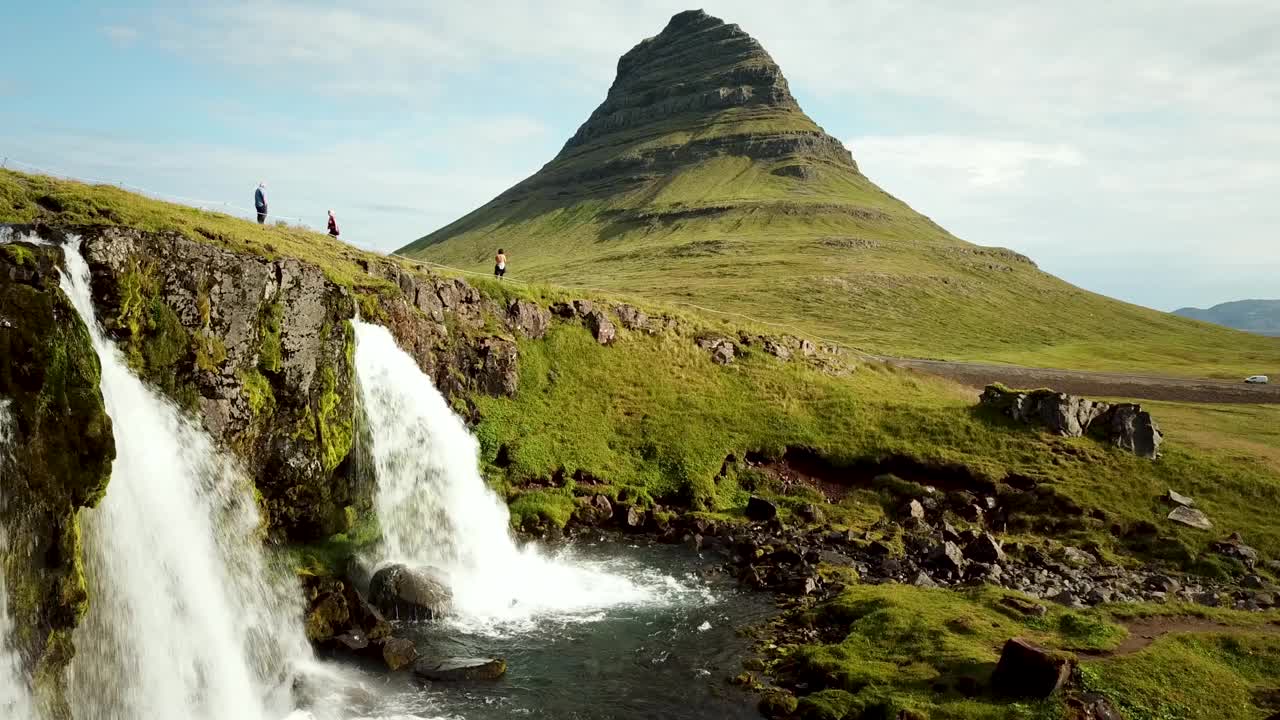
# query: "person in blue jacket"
260, 202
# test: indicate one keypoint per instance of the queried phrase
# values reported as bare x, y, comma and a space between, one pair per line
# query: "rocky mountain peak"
698, 63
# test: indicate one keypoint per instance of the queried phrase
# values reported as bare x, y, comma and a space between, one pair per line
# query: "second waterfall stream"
436, 510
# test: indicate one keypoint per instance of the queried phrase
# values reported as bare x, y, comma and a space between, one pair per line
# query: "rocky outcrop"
55, 459
1125, 425
260, 349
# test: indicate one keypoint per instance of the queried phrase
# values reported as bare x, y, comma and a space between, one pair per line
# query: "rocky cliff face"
57, 461
261, 352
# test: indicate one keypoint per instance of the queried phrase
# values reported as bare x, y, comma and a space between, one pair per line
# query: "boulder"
777, 349
1125, 425
528, 318
811, 513
761, 510
947, 556
1088, 706
601, 327
409, 593
1028, 671
460, 669
632, 318
985, 549
1131, 428
1233, 547
1076, 557
722, 349
399, 653
1191, 518
1179, 499
915, 510
1060, 413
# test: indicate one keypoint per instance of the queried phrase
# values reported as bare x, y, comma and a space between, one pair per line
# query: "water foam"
15, 686
436, 511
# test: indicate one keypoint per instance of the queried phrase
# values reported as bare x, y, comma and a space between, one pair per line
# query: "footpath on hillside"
1096, 384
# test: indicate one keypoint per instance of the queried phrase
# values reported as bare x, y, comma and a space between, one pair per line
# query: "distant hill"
700, 179
1255, 316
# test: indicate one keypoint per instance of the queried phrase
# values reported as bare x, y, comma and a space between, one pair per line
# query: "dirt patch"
1144, 632
1097, 384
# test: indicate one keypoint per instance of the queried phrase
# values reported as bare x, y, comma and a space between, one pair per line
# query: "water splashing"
187, 619
15, 686
436, 511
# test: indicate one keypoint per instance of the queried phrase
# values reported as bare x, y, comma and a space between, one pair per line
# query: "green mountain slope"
1255, 316
700, 179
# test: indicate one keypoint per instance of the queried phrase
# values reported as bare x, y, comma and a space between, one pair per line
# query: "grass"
832, 254
889, 648
656, 420
26, 198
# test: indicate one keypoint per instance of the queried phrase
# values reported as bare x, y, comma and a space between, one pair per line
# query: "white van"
1258, 379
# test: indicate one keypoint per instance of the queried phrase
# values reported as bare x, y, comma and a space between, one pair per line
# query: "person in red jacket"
333, 225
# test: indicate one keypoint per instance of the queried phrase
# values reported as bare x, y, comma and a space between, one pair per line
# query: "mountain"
1255, 316
700, 179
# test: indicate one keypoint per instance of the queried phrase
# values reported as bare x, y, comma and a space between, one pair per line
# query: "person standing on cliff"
333, 225
500, 264
260, 202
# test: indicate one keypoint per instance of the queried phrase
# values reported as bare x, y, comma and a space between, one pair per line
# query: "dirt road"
1097, 384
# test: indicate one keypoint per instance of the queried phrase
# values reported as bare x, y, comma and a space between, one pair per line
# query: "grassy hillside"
751, 208
653, 420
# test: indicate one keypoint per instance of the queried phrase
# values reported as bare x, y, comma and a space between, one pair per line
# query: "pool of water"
667, 657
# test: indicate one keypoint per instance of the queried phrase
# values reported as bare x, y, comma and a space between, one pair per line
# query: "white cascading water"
15, 686
187, 620
436, 510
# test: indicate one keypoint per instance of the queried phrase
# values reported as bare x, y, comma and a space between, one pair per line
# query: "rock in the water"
399, 653
409, 593
1190, 517
455, 669
761, 510
1028, 671
1179, 499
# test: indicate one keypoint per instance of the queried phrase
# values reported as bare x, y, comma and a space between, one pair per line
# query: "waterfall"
436, 510
15, 687
186, 618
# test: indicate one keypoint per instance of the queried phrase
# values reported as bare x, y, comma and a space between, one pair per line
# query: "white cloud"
1120, 133
975, 162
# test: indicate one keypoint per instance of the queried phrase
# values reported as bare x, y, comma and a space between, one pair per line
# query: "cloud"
121, 35
975, 162
1106, 139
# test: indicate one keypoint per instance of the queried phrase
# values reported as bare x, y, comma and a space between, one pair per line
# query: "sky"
1131, 148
